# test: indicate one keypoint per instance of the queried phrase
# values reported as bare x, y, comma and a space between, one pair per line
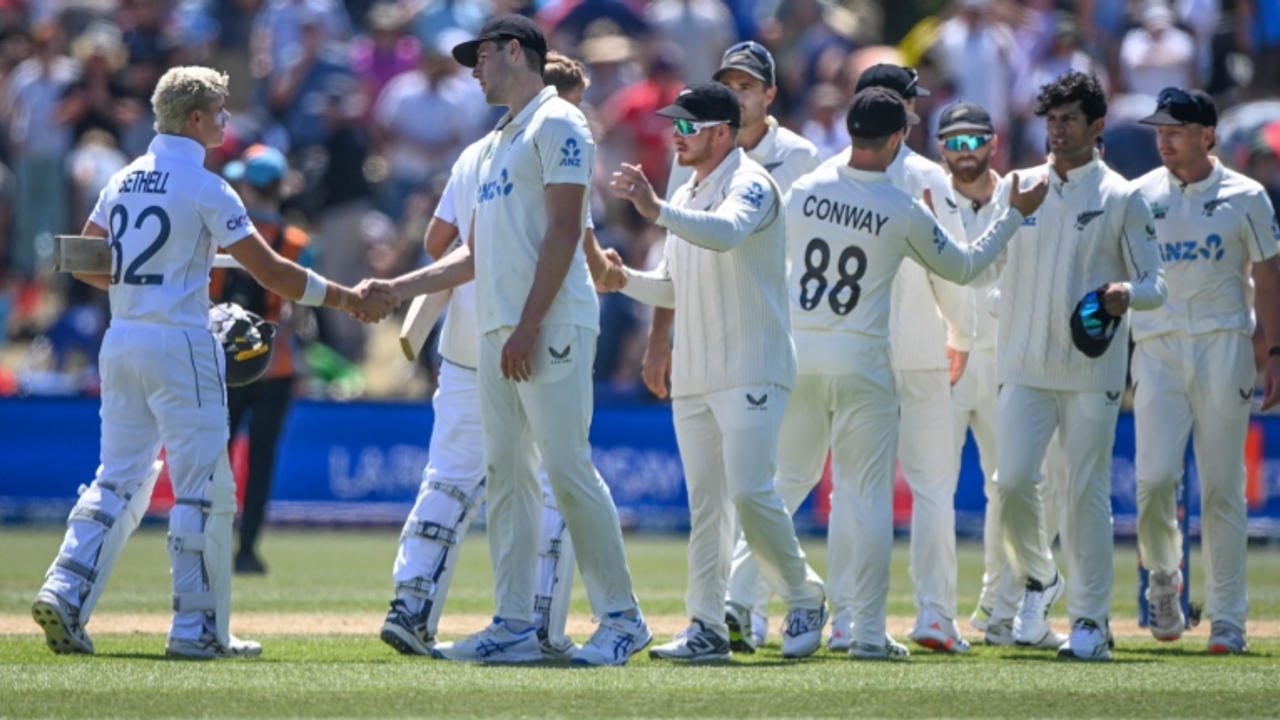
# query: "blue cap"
233, 171
263, 165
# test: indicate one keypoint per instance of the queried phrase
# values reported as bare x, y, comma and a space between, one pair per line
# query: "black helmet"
1092, 327
246, 339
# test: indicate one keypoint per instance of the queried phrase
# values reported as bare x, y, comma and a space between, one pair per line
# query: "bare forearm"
454, 269
553, 267
660, 328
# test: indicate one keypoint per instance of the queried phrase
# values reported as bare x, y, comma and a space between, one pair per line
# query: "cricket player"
1092, 238
538, 317
164, 216
849, 227
453, 481
748, 69
1193, 365
724, 266
932, 323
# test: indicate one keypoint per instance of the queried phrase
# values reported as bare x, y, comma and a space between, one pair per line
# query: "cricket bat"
422, 316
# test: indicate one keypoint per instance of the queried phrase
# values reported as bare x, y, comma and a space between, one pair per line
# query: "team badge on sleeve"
754, 195
570, 154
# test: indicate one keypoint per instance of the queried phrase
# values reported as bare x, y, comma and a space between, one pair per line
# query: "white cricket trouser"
161, 386
855, 418
1201, 386
729, 448
449, 498
926, 453
552, 413
1086, 423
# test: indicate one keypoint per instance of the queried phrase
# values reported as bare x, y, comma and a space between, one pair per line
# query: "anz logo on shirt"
939, 239
1210, 249
494, 189
754, 195
571, 154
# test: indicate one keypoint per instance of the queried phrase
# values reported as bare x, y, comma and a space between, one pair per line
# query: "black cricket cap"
1176, 106
751, 58
1092, 327
876, 112
704, 102
965, 117
503, 27
895, 77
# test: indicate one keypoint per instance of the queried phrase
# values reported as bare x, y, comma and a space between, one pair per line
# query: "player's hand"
374, 300
1115, 298
1027, 201
612, 278
656, 367
629, 183
1271, 383
517, 353
957, 361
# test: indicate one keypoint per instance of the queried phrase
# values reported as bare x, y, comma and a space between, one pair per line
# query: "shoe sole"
794, 655
395, 636
655, 655
1166, 638
1220, 649
577, 662
1068, 655
946, 646
56, 635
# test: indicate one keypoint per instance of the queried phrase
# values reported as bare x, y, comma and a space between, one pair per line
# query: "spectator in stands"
93, 102
979, 57
631, 120
1258, 32
1157, 54
703, 28
279, 32
825, 126
385, 51
298, 95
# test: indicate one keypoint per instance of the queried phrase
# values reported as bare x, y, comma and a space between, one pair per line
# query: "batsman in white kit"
538, 317
1086, 257
1193, 366
453, 481
849, 229
748, 69
164, 374
723, 267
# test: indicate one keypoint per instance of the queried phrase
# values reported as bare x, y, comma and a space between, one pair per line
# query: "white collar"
177, 146
764, 148
726, 167
854, 173
1075, 175
545, 94
1199, 186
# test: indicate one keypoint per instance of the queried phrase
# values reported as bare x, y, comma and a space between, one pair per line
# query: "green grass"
348, 572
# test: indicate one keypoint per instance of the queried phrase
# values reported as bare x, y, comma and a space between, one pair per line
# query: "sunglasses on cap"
966, 141
758, 51
1175, 96
692, 127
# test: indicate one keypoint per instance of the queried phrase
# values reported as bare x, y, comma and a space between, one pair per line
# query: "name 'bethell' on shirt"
154, 182
838, 213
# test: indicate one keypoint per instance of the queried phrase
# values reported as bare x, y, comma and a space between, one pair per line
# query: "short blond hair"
183, 89
564, 72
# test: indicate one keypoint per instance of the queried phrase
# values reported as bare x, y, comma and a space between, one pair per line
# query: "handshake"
607, 271
371, 300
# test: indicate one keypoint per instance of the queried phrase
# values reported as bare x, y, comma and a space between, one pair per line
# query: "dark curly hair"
1069, 88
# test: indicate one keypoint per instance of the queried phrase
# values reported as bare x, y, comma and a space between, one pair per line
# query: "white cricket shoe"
1164, 607
738, 618
615, 640
802, 631
494, 644
980, 619
207, 647
1000, 632
695, 643
1226, 639
890, 650
938, 633
1031, 626
841, 636
1088, 641
759, 628
61, 622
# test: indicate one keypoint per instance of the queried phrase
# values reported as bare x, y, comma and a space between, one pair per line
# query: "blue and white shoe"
615, 640
406, 631
1226, 639
695, 643
494, 644
802, 631
890, 650
61, 623
1088, 641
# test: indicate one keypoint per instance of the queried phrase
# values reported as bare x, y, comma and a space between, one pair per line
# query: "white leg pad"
200, 551
429, 543
554, 584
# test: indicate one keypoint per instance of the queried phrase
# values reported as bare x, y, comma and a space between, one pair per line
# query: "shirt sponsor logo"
1187, 250
754, 195
1085, 217
238, 222
1212, 205
570, 154
939, 239
494, 189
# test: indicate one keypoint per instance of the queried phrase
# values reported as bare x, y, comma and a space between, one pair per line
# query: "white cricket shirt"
459, 339
847, 233
1092, 229
166, 216
547, 142
1208, 233
977, 218
724, 269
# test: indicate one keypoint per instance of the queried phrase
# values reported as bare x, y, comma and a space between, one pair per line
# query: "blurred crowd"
366, 103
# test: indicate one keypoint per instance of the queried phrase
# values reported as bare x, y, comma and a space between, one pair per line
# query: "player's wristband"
1274, 351
315, 291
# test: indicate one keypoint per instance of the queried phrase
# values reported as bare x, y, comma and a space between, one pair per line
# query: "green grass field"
319, 578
